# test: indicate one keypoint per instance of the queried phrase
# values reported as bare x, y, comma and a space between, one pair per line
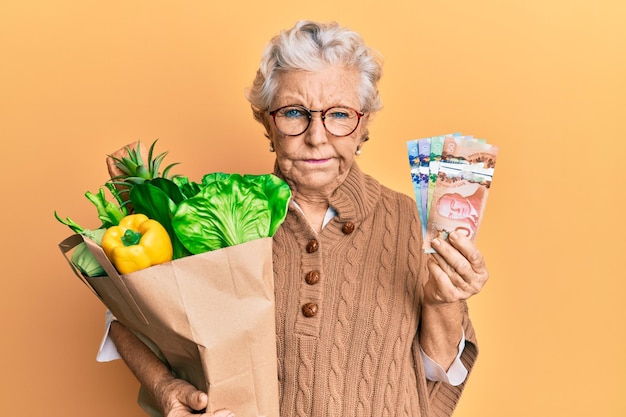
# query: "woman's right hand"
178, 398
175, 397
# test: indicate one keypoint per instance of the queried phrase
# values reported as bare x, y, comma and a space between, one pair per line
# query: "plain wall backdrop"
543, 80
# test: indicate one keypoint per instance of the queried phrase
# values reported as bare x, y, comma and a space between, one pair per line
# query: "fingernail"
453, 235
436, 242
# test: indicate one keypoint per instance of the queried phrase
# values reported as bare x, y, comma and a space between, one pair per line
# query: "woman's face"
315, 163
453, 206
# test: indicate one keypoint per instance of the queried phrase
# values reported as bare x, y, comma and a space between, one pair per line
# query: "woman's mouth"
316, 161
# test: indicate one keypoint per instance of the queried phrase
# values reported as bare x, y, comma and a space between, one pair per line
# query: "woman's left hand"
457, 270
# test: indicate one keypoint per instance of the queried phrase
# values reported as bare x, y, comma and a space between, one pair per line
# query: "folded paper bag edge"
112, 273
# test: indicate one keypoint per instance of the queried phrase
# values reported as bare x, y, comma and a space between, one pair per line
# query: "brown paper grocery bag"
211, 316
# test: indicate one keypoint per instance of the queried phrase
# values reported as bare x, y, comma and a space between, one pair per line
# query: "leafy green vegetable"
231, 209
149, 198
187, 188
109, 212
77, 228
84, 260
170, 188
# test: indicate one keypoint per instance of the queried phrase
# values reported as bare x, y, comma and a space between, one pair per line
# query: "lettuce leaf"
231, 209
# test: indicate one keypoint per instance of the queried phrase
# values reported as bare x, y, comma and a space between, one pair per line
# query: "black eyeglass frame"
310, 112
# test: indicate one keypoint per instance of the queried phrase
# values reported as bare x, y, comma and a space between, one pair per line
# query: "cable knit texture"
358, 355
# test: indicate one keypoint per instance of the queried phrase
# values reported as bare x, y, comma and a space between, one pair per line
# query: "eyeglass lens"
295, 120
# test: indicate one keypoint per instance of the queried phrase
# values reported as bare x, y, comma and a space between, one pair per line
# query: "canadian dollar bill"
416, 179
436, 149
423, 146
475, 154
462, 187
459, 171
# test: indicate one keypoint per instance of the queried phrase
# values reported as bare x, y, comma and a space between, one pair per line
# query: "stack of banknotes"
451, 177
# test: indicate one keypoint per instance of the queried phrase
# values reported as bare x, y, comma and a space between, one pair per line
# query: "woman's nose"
316, 133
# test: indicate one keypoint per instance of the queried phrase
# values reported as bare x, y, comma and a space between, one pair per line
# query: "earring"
271, 147
358, 151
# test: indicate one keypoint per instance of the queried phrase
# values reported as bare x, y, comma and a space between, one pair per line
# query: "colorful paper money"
451, 177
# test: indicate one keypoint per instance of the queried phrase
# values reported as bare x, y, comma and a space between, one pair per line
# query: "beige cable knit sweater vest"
348, 308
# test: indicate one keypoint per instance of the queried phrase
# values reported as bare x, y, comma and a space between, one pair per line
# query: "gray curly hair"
311, 46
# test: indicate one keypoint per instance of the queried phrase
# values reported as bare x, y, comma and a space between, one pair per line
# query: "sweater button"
348, 228
312, 277
312, 246
309, 309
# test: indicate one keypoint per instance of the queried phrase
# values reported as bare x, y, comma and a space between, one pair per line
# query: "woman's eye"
294, 113
338, 114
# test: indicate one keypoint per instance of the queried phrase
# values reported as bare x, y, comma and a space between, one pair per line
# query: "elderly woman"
367, 324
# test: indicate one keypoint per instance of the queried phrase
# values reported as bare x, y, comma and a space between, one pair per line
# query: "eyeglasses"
294, 120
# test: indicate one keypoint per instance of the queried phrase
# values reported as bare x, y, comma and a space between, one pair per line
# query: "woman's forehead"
327, 87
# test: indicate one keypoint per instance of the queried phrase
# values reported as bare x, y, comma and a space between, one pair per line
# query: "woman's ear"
267, 124
263, 118
366, 136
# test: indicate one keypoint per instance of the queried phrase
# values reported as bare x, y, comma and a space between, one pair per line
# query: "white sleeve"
108, 351
456, 373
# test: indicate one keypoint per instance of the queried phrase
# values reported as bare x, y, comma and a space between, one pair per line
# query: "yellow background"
544, 80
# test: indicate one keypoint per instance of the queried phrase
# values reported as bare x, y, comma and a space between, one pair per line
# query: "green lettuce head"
231, 209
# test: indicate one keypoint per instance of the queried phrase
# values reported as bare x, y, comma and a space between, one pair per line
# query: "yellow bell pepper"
137, 243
